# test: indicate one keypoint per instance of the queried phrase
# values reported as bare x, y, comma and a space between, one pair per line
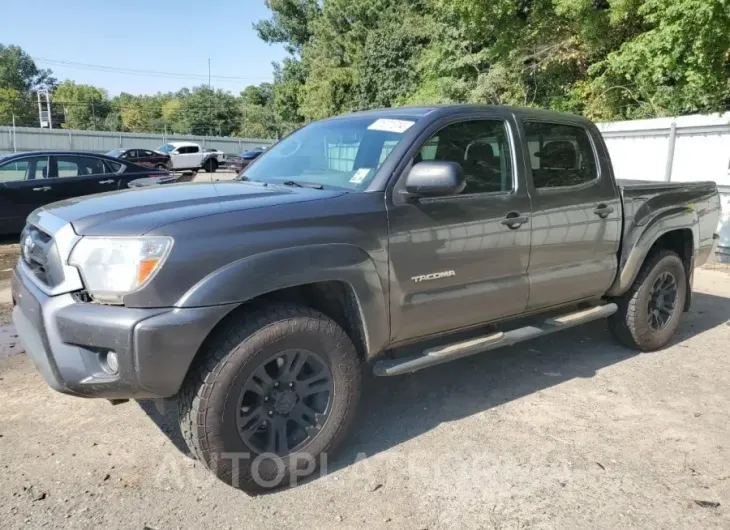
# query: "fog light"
112, 362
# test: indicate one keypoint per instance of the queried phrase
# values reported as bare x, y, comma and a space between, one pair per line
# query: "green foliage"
210, 112
259, 118
20, 78
290, 23
18, 71
606, 59
84, 106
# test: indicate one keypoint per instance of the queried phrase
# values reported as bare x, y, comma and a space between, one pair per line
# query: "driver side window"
480, 147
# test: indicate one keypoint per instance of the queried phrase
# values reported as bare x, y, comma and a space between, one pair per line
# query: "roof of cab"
441, 110
183, 144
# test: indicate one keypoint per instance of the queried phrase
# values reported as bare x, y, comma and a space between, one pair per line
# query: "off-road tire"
208, 400
630, 324
211, 165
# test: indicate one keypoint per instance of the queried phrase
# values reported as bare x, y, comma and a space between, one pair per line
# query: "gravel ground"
568, 431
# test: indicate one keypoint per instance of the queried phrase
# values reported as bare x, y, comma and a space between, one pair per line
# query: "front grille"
38, 252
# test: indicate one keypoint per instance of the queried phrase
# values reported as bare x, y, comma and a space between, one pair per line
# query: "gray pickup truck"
394, 240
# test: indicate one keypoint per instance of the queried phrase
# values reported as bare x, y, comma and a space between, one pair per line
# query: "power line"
149, 73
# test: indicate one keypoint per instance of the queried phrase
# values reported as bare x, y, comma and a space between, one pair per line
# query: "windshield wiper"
244, 178
296, 184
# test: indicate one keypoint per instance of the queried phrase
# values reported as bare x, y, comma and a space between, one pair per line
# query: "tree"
289, 78
679, 64
607, 59
210, 112
258, 116
290, 23
171, 112
19, 71
20, 78
85, 106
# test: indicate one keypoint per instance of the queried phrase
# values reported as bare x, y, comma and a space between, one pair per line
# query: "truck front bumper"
70, 341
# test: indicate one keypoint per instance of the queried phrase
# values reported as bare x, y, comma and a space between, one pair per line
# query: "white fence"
683, 149
33, 139
680, 149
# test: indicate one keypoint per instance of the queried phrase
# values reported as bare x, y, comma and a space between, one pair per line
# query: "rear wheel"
211, 165
269, 396
649, 312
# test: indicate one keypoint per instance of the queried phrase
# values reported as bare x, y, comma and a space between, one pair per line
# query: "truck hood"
138, 211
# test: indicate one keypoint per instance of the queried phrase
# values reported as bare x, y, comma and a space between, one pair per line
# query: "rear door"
457, 260
576, 214
132, 156
148, 158
77, 175
194, 156
132, 172
187, 157
24, 186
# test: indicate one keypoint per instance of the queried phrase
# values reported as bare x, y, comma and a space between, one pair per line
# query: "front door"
24, 186
576, 215
455, 260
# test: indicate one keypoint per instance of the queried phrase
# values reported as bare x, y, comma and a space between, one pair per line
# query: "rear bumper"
68, 341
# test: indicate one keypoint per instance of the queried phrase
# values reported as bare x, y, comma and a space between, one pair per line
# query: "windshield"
166, 148
116, 153
341, 153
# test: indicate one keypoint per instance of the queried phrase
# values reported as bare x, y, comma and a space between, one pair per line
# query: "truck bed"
651, 208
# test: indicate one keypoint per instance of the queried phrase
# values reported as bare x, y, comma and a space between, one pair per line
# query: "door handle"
603, 211
108, 181
514, 220
43, 188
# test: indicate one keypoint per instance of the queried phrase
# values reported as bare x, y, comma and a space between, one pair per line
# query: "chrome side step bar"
443, 354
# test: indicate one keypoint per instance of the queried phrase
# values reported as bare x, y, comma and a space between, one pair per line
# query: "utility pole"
15, 146
210, 102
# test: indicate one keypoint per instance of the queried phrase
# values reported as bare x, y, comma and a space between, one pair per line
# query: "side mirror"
435, 178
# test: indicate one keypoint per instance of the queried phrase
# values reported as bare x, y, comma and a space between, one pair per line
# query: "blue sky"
164, 36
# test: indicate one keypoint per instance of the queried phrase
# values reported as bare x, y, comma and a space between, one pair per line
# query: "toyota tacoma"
389, 240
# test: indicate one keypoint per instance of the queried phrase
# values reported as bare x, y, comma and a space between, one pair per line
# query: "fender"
641, 236
256, 275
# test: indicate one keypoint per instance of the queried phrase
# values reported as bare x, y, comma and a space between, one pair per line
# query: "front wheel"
270, 397
649, 312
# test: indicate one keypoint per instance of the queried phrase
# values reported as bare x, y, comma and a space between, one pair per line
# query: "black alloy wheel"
285, 402
663, 301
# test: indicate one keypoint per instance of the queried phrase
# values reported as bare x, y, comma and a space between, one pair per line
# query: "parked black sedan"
143, 157
30, 180
238, 163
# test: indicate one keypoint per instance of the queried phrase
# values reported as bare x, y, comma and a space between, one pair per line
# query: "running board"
443, 354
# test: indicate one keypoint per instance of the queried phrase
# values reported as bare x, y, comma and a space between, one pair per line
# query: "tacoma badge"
433, 276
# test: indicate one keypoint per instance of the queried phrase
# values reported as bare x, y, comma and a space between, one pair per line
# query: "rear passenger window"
560, 155
112, 167
480, 147
78, 166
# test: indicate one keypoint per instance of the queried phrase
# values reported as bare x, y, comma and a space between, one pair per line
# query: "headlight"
114, 266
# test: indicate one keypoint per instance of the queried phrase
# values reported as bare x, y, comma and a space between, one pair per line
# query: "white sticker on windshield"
396, 126
360, 175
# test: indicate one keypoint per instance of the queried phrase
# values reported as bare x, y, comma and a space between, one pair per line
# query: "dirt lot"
569, 431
